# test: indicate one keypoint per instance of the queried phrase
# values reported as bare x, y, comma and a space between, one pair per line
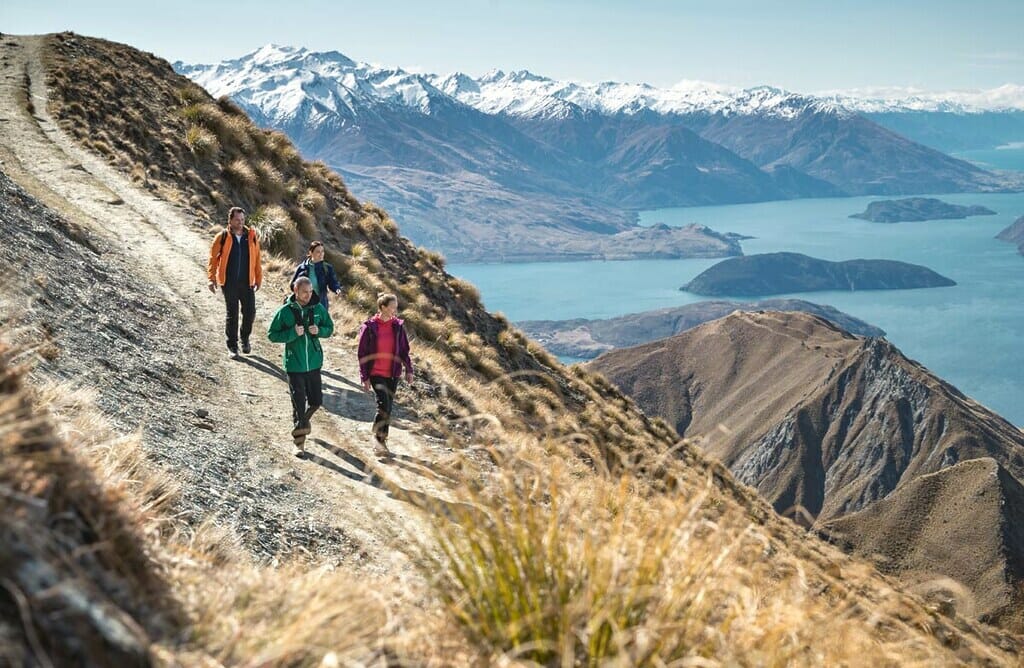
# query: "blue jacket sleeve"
298, 272
332, 279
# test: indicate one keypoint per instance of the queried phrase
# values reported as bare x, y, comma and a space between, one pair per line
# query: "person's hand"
256, 287
338, 292
314, 330
300, 330
366, 386
408, 377
213, 286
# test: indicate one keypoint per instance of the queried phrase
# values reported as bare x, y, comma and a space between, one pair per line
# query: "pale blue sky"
801, 45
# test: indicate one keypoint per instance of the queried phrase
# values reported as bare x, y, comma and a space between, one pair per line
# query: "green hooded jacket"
301, 353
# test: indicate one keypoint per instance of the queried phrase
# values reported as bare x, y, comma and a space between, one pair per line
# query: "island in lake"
585, 338
914, 209
781, 273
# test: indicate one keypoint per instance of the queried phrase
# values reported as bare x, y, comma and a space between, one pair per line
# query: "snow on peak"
272, 54
1008, 97
280, 82
455, 83
284, 82
525, 94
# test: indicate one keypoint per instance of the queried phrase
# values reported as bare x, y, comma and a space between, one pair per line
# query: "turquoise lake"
970, 334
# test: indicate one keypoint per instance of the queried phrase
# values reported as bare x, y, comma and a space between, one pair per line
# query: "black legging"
233, 297
385, 389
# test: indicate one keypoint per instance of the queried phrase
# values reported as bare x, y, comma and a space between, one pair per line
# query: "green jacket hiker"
302, 353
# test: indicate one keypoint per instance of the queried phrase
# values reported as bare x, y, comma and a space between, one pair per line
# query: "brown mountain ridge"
825, 424
807, 413
965, 517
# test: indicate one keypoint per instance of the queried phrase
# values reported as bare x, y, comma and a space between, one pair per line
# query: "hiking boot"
301, 429
246, 348
381, 447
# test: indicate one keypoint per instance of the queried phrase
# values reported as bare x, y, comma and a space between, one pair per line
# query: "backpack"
297, 313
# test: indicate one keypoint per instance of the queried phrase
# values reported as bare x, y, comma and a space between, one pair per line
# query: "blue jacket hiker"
300, 324
320, 273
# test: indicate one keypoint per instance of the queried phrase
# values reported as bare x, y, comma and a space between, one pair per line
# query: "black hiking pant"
307, 394
235, 296
385, 389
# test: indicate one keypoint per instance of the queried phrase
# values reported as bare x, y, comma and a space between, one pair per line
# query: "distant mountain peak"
492, 76
526, 75
1008, 97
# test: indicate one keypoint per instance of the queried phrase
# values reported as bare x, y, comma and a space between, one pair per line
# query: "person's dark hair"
385, 298
313, 246
233, 211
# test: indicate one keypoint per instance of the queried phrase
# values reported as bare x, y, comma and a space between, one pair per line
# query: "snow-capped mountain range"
513, 164
278, 79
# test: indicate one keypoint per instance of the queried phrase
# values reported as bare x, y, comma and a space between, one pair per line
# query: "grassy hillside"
170, 136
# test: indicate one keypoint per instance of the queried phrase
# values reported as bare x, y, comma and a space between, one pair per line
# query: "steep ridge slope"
966, 518
809, 414
825, 424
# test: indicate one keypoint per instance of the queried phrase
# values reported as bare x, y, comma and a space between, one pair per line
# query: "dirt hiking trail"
223, 426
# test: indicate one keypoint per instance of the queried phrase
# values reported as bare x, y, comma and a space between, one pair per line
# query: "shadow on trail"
454, 511
426, 469
337, 376
350, 404
264, 365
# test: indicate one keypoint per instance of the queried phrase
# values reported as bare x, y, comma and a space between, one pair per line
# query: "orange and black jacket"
220, 251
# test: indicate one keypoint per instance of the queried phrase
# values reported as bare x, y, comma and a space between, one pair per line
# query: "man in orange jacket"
235, 266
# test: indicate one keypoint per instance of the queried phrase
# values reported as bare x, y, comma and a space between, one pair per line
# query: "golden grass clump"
361, 297
228, 106
282, 149
272, 182
275, 229
429, 258
236, 132
557, 565
204, 113
241, 175
202, 142
465, 291
312, 201
191, 94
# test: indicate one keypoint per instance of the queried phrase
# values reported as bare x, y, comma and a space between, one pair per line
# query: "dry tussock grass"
534, 558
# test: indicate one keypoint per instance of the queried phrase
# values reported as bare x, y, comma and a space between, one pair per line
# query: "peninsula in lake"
912, 209
585, 338
781, 273
1014, 234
